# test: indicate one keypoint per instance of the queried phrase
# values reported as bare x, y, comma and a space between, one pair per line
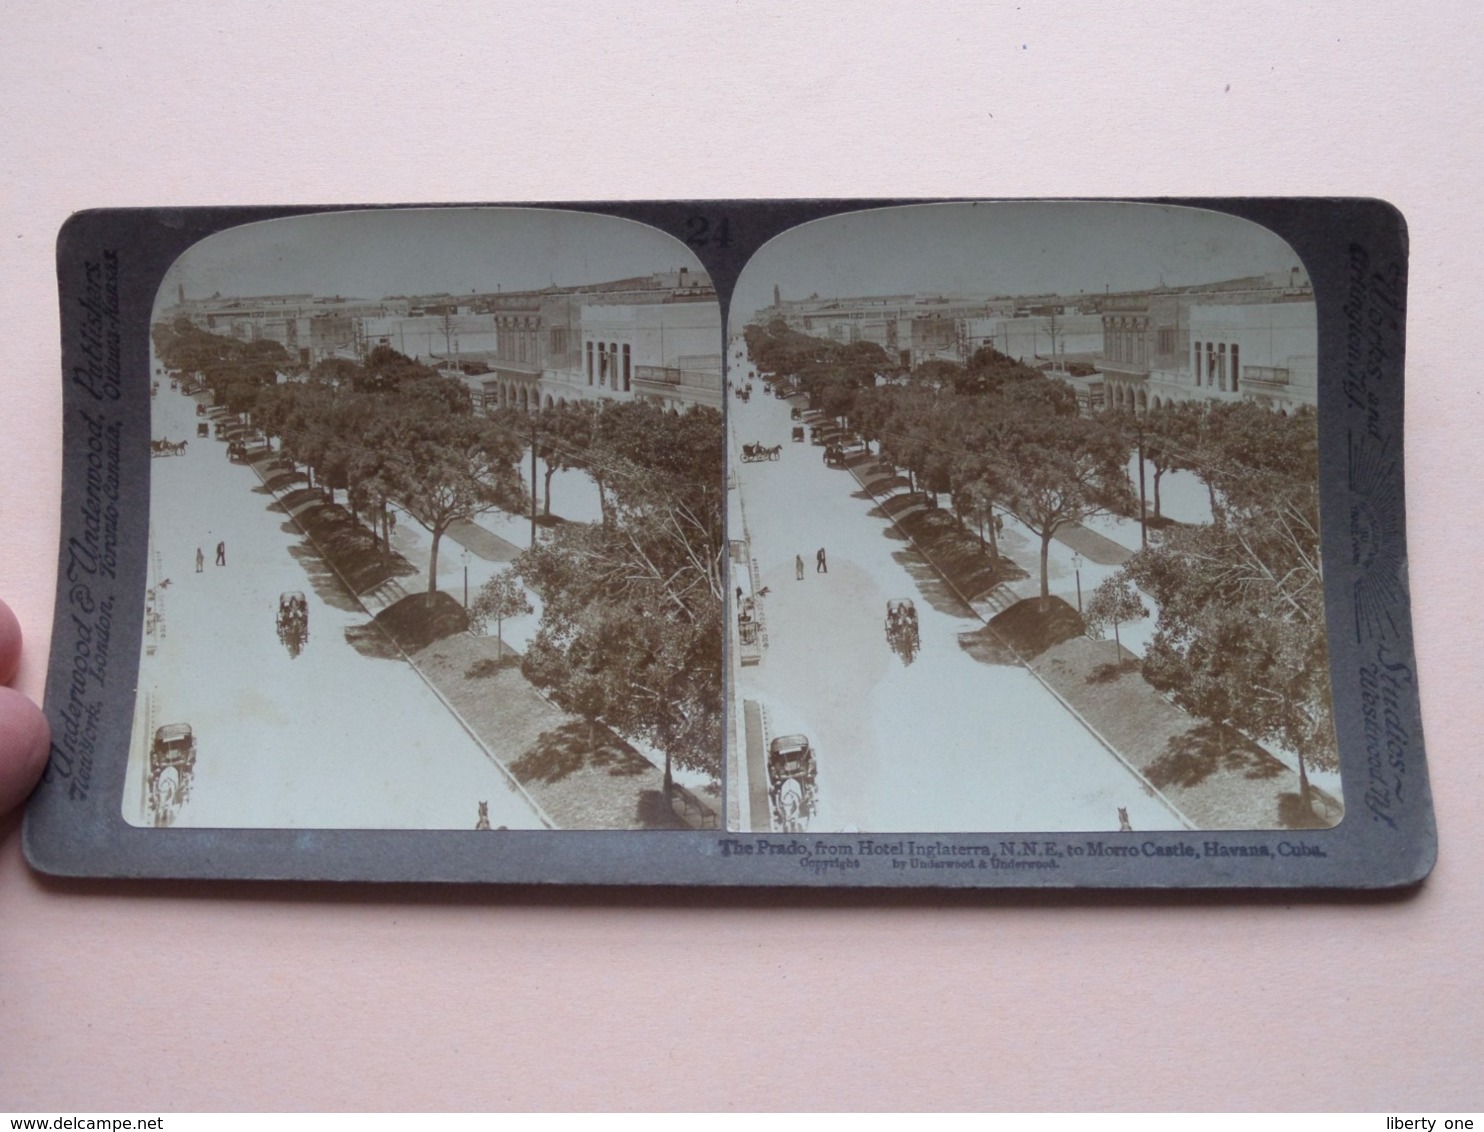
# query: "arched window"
1197, 363
626, 367
1236, 369
589, 362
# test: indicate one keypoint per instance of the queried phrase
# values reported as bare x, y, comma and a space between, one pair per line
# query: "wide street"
332, 738
945, 743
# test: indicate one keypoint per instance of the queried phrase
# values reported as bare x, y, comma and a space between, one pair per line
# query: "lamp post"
465, 556
1077, 569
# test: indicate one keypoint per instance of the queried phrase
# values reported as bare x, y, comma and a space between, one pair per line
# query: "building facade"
657, 339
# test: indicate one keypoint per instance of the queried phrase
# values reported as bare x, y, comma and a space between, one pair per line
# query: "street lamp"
465, 556
1077, 569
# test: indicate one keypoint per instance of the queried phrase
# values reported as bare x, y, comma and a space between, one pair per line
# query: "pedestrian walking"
798, 566
820, 567
200, 560
221, 554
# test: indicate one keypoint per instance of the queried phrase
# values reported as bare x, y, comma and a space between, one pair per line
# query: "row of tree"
1240, 637
632, 606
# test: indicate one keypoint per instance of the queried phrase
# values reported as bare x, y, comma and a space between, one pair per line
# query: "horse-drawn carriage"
834, 455
293, 622
751, 453
901, 628
172, 762
792, 788
167, 447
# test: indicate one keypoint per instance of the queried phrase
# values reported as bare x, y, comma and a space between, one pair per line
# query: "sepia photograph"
1023, 522
435, 528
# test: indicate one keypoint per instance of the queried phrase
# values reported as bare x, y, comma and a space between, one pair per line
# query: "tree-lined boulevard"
331, 738
943, 743
629, 636
1238, 638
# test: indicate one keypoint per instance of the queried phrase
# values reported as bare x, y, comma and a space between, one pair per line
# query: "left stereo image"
436, 505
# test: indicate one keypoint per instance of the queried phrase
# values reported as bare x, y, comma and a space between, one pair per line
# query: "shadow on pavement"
987, 647
930, 584
1192, 757
655, 812
370, 641
327, 586
562, 751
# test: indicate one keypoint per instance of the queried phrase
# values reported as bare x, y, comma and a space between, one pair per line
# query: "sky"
1006, 248
372, 254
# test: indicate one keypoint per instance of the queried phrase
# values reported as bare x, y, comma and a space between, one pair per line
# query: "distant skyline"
1006, 248
371, 254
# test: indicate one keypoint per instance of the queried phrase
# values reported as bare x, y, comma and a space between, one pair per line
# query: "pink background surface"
240, 996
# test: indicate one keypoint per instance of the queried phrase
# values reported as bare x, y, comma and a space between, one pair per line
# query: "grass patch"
489, 666
1030, 632
418, 620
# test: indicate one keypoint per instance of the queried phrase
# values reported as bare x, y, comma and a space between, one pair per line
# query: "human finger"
25, 742
10, 644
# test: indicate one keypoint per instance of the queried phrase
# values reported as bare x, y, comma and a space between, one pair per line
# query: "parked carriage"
293, 622
751, 453
901, 628
172, 762
834, 455
792, 787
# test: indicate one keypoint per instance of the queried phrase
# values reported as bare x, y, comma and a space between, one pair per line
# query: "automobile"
791, 782
172, 762
790, 756
203, 429
798, 433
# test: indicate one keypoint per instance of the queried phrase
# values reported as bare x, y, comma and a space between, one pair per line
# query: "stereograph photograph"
1027, 524
944, 544
435, 528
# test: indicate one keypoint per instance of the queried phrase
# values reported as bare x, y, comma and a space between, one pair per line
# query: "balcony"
1265, 377
657, 375
1122, 369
